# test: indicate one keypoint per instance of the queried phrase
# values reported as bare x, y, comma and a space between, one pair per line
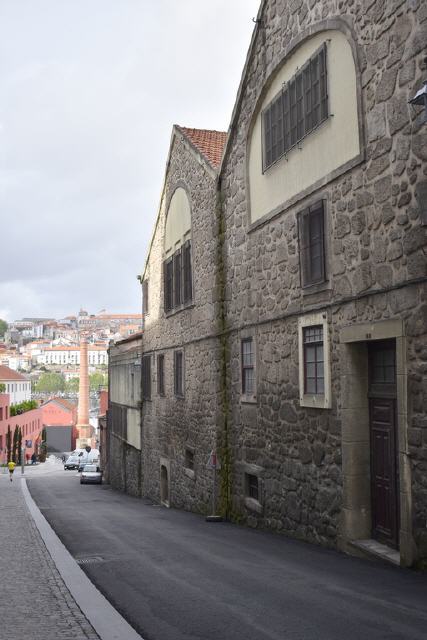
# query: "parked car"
91, 474
87, 459
72, 463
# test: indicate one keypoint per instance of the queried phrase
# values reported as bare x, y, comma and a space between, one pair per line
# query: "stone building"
325, 276
299, 350
120, 442
181, 378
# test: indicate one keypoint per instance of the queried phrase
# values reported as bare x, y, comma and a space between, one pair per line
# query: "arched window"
305, 128
177, 265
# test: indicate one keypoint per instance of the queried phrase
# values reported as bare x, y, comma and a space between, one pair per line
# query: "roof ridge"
209, 142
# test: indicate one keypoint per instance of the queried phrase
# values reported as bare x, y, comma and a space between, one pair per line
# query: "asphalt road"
175, 577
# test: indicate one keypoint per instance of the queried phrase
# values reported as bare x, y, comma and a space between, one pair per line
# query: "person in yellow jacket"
11, 467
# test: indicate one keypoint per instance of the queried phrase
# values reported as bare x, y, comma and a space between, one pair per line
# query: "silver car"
91, 475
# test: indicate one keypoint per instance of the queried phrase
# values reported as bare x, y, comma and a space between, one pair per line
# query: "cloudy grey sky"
89, 91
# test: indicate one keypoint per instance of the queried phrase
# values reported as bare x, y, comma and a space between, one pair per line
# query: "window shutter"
299, 90
323, 84
293, 111
316, 244
307, 96
304, 245
165, 286
188, 284
177, 276
267, 137
286, 121
174, 373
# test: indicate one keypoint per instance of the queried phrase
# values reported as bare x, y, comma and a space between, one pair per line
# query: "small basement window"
189, 459
252, 487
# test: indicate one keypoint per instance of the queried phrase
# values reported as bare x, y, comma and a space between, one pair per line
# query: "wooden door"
384, 461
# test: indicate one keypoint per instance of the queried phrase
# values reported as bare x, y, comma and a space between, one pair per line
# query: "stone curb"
106, 621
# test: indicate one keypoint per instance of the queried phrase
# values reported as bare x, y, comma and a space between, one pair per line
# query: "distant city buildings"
32, 343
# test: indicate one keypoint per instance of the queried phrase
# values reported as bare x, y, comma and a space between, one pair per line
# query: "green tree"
9, 443
2, 387
72, 385
22, 407
19, 446
15, 444
43, 446
50, 383
97, 380
3, 327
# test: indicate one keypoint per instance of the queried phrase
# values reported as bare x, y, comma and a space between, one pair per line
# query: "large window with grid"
248, 367
314, 376
311, 236
300, 107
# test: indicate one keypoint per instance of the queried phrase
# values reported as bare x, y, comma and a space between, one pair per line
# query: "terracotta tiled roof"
10, 374
65, 403
209, 143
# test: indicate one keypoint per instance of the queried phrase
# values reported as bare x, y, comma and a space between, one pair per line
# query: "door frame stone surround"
356, 523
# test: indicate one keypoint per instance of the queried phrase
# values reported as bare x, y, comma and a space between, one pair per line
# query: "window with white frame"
314, 361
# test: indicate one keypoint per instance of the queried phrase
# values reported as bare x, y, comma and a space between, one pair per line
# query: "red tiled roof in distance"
10, 374
209, 143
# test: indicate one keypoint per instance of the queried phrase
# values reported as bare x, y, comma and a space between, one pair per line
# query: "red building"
56, 412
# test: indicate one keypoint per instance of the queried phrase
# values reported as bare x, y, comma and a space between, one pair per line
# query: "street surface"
34, 603
175, 577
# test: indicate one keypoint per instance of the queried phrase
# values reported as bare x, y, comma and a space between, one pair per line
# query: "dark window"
146, 377
383, 365
248, 367
178, 373
177, 279
312, 244
168, 283
188, 280
132, 386
117, 419
189, 459
161, 375
298, 109
145, 296
314, 376
178, 283
252, 486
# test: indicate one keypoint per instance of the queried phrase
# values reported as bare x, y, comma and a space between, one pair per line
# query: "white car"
91, 475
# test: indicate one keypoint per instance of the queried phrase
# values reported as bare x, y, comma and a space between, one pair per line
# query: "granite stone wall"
375, 261
170, 424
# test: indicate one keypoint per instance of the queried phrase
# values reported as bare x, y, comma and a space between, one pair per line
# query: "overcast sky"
89, 91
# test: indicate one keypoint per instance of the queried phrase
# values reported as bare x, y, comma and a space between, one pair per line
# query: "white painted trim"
313, 400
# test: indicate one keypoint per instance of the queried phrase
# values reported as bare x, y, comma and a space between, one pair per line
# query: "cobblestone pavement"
35, 603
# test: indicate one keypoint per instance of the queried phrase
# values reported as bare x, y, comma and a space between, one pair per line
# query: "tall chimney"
83, 425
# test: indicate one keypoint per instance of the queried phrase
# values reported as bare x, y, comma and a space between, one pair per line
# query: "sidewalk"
34, 603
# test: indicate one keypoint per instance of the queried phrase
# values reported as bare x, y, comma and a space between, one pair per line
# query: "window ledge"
183, 307
190, 473
311, 289
316, 401
244, 399
253, 505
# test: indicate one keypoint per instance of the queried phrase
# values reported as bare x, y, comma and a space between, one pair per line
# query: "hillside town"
40, 371
253, 443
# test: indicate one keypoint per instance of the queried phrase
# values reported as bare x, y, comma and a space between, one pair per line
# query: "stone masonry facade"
178, 426
311, 464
